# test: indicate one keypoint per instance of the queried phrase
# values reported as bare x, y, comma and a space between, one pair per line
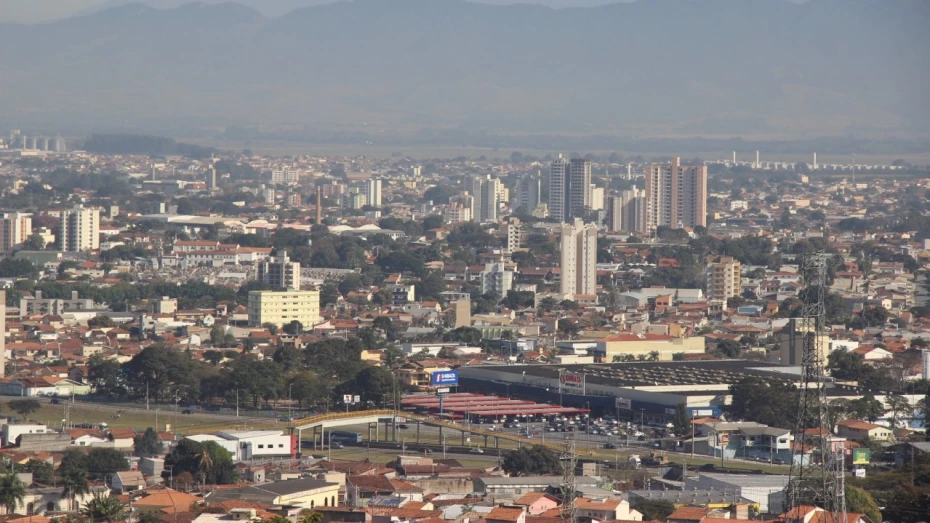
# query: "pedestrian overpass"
317, 424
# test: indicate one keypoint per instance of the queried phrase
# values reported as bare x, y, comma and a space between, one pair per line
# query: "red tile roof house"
536, 503
506, 514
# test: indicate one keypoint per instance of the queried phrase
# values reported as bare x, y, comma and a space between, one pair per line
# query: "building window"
261, 446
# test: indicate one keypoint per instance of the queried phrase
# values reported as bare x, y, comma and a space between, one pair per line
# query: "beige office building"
15, 228
283, 307
578, 273
724, 279
676, 195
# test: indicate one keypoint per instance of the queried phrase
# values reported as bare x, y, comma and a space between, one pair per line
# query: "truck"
655, 459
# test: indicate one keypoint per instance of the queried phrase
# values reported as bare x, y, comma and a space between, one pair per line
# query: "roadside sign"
347, 398
623, 403
449, 378
861, 456
443, 390
358, 399
572, 381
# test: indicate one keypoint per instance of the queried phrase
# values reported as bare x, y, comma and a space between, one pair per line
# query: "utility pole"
290, 404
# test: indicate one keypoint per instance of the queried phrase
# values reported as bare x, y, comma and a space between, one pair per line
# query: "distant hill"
766, 68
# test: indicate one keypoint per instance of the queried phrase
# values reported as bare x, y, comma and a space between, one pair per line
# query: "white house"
261, 443
11, 431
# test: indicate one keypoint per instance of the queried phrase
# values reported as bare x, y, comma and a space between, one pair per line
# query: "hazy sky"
32, 11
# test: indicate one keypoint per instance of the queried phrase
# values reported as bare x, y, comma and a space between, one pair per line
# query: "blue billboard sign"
444, 378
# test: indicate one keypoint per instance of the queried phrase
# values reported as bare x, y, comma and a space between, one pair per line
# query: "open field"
79, 413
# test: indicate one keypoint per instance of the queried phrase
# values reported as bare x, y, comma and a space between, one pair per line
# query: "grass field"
52, 415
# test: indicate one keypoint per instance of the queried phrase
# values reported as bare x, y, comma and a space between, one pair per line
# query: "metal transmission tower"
569, 459
816, 475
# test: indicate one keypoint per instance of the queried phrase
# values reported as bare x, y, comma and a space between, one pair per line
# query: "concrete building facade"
578, 273
724, 279
676, 195
80, 229
283, 307
280, 272
15, 229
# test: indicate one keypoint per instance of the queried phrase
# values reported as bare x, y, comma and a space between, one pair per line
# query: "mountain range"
763, 68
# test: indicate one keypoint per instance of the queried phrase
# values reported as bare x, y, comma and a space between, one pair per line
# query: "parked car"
403, 426
609, 446
56, 401
476, 450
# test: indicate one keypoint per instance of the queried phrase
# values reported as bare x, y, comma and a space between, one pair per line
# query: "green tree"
147, 444
899, 406
105, 376
43, 472
770, 402
24, 407
681, 421
73, 480
190, 456
217, 332
294, 328
860, 501
161, 370
374, 384
867, 408
35, 242
213, 356
389, 327
12, 492
729, 348
104, 507
467, 335
103, 462
17, 268
875, 316
310, 390
531, 461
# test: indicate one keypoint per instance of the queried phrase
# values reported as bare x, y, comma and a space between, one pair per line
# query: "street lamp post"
290, 404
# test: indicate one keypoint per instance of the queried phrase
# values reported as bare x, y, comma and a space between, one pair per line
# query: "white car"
476, 450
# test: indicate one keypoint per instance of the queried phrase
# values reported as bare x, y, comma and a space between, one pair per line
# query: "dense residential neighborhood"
232, 336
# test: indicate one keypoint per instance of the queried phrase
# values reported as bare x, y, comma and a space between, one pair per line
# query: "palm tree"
12, 492
204, 464
74, 484
103, 507
309, 516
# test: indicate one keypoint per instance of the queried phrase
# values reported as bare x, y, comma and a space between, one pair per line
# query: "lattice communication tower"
817, 470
